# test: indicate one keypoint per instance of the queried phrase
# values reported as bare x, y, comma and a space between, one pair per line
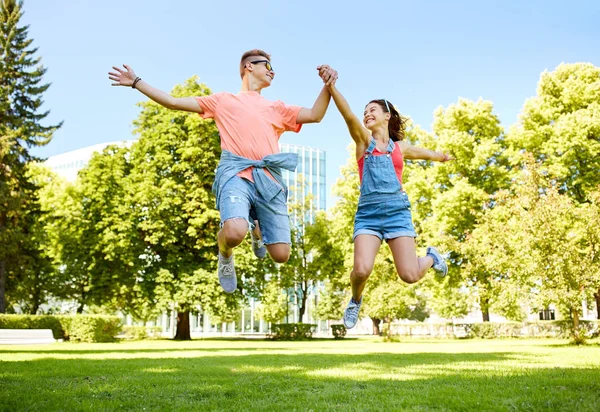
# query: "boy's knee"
279, 252
234, 231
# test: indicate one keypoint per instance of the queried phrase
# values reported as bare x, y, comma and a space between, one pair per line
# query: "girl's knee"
409, 276
362, 272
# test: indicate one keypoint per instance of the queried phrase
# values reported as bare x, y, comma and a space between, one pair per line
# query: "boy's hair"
246, 58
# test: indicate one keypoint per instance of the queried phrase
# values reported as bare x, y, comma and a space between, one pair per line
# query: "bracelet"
137, 79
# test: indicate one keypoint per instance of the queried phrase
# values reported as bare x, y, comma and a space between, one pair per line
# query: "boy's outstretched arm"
317, 112
127, 78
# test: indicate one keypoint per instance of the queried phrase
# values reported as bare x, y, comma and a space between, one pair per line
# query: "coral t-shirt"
249, 125
397, 160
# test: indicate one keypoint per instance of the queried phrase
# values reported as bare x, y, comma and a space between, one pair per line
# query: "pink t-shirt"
249, 125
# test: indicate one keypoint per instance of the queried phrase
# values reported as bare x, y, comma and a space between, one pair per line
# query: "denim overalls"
383, 207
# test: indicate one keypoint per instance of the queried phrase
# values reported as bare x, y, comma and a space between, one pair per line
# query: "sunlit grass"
361, 374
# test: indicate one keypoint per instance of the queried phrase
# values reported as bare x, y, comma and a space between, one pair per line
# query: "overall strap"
391, 146
371, 147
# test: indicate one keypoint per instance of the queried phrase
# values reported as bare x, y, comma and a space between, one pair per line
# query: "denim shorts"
386, 216
239, 200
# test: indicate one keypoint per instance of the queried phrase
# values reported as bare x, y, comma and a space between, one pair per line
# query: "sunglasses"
266, 62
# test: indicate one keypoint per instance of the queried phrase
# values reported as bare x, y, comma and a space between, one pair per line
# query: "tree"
33, 279
565, 250
173, 169
315, 256
20, 129
448, 199
560, 127
92, 237
387, 298
273, 306
332, 301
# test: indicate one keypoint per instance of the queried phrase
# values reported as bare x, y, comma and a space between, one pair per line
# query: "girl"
383, 207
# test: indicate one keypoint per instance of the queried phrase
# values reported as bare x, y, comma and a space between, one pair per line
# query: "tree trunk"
302, 308
2, 286
597, 296
485, 308
81, 300
36, 299
376, 330
577, 334
183, 326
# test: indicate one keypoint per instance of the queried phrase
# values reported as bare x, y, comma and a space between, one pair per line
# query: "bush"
338, 331
292, 331
490, 330
142, 332
94, 328
78, 328
34, 322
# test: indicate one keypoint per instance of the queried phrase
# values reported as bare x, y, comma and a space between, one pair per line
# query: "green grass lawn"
354, 375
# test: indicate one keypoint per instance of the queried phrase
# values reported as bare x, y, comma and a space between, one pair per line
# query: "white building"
68, 164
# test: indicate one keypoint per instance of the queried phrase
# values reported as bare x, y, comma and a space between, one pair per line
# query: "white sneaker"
351, 313
226, 273
439, 263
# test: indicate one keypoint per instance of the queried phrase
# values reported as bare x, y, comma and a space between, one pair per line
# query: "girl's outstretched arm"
418, 153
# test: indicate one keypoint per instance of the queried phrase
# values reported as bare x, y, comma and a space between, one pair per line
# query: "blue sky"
417, 54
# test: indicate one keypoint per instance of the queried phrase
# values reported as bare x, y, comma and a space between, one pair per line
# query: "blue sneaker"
439, 263
351, 313
258, 247
226, 272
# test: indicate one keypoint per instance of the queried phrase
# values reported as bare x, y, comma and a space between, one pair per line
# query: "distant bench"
26, 336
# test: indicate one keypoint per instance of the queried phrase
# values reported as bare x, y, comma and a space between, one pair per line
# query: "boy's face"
261, 70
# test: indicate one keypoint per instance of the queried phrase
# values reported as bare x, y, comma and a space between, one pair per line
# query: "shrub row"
292, 331
135, 332
76, 328
338, 331
490, 330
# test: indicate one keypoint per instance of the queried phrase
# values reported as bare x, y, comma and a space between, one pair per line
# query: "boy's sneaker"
226, 272
439, 263
351, 313
258, 247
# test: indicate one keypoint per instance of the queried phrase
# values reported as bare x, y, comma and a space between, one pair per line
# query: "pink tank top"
397, 160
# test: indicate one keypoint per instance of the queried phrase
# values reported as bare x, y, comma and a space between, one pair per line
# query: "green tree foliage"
448, 199
332, 301
315, 255
387, 298
34, 281
560, 127
173, 170
21, 93
273, 306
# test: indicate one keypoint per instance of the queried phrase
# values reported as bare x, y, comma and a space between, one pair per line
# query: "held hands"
328, 75
122, 77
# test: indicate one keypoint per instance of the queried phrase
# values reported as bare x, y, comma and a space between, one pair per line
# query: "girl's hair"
397, 122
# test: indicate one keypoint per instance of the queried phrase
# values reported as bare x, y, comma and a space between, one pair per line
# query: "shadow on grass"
300, 381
